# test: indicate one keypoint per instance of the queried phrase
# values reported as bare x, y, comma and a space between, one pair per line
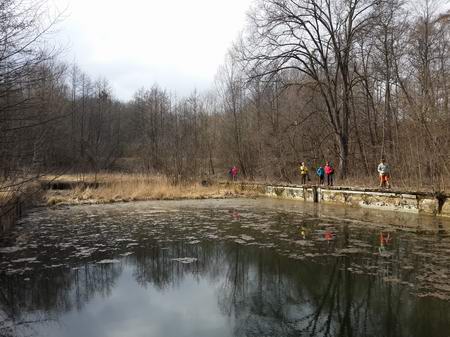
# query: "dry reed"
134, 187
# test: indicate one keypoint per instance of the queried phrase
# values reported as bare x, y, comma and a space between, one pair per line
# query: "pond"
234, 267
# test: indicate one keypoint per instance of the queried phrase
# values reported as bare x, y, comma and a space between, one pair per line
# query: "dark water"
224, 268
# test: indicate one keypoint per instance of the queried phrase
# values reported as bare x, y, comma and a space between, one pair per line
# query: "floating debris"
10, 250
28, 259
55, 266
108, 261
62, 238
350, 251
303, 243
185, 260
247, 237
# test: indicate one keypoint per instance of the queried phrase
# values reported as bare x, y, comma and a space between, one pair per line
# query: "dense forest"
348, 81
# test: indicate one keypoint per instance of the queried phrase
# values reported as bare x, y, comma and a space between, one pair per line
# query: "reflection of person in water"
328, 235
384, 241
303, 232
235, 214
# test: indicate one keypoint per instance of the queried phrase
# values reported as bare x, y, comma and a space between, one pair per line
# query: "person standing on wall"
303, 172
321, 174
329, 171
234, 173
383, 171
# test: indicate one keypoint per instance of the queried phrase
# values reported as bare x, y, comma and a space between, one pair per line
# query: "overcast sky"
178, 44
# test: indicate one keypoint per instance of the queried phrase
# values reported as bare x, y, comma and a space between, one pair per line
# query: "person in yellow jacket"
303, 172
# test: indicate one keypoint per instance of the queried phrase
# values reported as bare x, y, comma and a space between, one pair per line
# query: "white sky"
178, 44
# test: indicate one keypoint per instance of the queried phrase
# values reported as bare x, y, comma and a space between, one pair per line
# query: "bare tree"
315, 38
27, 77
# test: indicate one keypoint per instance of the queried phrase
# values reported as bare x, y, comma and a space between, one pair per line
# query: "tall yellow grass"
10, 191
6, 196
134, 187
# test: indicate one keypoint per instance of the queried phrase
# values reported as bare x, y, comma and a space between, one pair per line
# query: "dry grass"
8, 192
134, 187
6, 196
11, 191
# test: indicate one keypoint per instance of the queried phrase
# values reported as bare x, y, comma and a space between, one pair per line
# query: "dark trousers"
321, 180
304, 176
330, 179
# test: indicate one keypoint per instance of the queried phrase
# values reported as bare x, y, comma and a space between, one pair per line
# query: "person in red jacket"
234, 172
329, 171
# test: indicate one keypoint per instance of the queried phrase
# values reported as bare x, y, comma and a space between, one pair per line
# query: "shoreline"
129, 188
125, 188
115, 201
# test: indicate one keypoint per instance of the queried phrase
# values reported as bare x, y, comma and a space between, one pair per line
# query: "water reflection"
261, 294
203, 273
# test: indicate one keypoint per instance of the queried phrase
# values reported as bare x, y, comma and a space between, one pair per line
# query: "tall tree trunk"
343, 155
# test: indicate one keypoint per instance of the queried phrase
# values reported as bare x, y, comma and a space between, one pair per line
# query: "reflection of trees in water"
266, 294
91, 280
272, 295
157, 267
51, 292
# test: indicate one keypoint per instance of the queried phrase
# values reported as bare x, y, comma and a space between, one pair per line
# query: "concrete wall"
288, 192
405, 202
412, 202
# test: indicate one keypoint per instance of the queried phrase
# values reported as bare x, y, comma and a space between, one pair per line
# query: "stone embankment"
413, 202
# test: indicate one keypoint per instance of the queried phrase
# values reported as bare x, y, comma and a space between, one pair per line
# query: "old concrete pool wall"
413, 202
